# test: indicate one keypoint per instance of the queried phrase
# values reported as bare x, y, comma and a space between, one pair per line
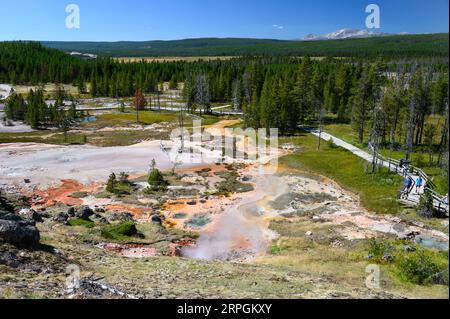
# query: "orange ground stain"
138, 212
240, 242
61, 194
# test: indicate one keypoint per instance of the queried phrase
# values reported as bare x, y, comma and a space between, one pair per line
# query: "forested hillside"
31, 63
389, 46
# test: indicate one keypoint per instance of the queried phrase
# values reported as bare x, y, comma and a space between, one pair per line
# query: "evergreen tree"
362, 104
111, 185
156, 179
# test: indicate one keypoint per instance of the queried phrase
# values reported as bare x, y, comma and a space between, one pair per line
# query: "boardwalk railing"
438, 200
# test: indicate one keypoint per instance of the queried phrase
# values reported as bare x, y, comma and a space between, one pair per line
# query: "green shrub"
425, 207
122, 231
420, 267
377, 249
275, 249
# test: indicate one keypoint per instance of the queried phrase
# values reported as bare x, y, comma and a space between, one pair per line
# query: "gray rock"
440, 278
99, 219
22, 234
31, 214
61, 218
409, 249
85, 213
9, 216
156, 219
71, 212
120, 217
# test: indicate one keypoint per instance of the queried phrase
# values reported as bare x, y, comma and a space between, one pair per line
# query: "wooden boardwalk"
412, 198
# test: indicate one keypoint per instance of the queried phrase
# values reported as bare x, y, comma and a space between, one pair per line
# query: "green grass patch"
81, 222
47, 137
79, 195
145, 118
344, 132
124, 119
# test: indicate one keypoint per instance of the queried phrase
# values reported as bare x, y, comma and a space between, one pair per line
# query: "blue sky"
137, 20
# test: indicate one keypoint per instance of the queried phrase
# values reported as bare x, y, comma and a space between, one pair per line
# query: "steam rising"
235, 237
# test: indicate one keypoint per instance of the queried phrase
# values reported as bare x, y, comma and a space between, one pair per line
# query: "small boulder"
9, 216
119, 217
71, 212
22, 234
85, 213
409, 249
157, 219
99, 219
61, 218
31, 214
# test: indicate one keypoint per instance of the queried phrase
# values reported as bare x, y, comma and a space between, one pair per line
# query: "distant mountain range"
347, 34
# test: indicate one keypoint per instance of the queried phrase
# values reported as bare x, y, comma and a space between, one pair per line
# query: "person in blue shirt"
419, 183
408, 187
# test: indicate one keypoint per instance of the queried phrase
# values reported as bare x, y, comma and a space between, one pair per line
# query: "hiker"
408, 187
406, 168
419, 183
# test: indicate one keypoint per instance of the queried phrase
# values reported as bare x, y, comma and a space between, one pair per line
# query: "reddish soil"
137, 212
131, 251
61, 194
176, 247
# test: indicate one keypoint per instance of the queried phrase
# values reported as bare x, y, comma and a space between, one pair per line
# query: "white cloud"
279, 27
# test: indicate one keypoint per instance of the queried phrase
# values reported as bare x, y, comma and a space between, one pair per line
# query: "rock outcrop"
14, 229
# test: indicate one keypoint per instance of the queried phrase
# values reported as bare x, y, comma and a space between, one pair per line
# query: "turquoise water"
89, 119
430, 242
